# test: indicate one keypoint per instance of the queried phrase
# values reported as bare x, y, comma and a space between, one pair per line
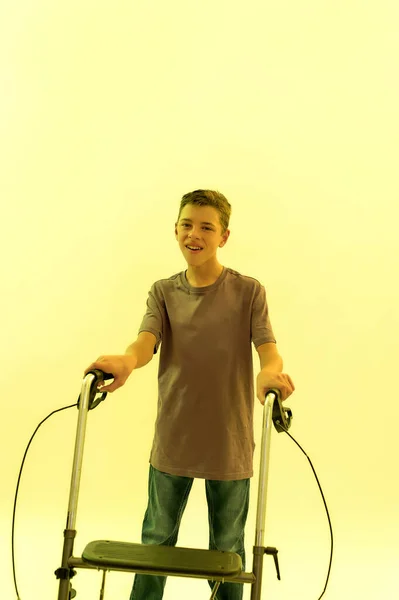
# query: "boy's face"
200, 226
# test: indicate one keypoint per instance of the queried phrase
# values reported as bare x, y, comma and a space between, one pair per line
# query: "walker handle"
281, 415
98, 376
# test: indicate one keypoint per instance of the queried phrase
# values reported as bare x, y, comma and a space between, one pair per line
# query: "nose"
193, 235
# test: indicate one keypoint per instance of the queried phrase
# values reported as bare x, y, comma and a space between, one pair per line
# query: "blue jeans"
227, 514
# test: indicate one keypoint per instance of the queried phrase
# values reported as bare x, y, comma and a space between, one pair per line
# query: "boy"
206, 318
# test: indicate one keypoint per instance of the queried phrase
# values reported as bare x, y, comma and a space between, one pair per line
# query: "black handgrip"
108, 376
281, 416
98, 376
101, 375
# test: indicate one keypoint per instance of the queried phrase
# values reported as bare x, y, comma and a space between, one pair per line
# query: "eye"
187, 225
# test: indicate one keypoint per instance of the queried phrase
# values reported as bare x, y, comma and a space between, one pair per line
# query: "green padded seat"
105, 554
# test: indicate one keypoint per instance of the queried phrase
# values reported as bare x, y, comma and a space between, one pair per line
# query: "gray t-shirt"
204, 426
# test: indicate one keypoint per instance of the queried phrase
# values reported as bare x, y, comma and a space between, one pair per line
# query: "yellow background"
109, 112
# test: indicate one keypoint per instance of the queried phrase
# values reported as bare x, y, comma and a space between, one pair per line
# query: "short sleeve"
153, 318
261, 328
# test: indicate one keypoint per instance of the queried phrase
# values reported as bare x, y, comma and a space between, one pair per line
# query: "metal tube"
102, 591
256, 587
67, 550
78, 455
264, 468
64, 572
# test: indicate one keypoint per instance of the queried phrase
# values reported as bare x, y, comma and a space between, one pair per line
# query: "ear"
225, 237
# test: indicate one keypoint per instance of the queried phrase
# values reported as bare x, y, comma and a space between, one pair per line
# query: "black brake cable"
16, 492
325, 505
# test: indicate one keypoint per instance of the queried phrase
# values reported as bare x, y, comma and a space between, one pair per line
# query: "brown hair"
209, 198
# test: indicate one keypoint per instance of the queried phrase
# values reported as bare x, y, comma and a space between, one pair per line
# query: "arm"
271, 375
269, 357
142, 349
121, 366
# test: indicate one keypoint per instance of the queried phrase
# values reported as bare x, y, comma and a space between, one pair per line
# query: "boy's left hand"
268, 380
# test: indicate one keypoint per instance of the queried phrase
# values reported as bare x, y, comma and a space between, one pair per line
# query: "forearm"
272, 363
140, 354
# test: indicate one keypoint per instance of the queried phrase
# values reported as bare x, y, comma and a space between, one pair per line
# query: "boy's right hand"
120, 366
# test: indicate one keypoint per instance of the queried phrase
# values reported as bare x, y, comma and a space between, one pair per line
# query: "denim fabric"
227, 514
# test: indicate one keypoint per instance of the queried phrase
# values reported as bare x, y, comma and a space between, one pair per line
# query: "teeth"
194, 247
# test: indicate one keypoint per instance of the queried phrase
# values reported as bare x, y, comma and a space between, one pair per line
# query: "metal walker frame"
213, 565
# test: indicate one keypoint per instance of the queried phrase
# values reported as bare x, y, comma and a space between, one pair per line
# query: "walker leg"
256, 587
103, 586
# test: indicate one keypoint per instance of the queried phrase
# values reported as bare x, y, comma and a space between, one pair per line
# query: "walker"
212, 565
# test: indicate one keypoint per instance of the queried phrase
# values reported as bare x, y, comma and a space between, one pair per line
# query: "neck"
196, 278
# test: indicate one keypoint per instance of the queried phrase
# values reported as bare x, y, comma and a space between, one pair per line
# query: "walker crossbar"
213, 565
